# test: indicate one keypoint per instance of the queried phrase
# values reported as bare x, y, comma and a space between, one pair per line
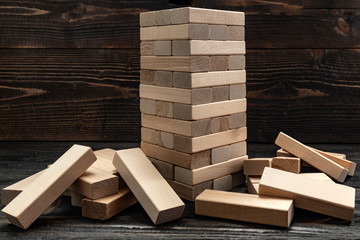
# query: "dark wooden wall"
69, 69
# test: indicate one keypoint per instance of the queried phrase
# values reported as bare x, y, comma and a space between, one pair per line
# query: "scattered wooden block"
238, 120
236, 62
147, 19
289, 164
189, 161
162, 17
253, 183
172, 32
220, 154
147, 77
255, 166
105, 165
236, 33
166, 140
317, 176
282, 153
163, 78
238, 149
76, 199
219, 63
155, 48
238, 178
150, 135
196, 176
207, 47
189, 192
339, 155
152, 191
209, 110
197, 144
237, 91
324, 197
166, 169
317, 160
107, 207
218, 32
106, 153
245, 207
148, 106
67, 193
47, 187
223, 183
176, 63
220, 124
164, 109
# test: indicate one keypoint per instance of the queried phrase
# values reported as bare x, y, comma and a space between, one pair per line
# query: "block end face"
14, 220
169, 214
352, 169
343, 175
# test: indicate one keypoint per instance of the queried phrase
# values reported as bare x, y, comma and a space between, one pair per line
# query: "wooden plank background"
69, 70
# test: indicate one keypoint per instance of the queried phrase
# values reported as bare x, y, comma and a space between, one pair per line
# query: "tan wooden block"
219, 63
189, 161
47, 187
166, 169
150, 135
201, 15
148, 106
218, 32
107, 207
172, 32
155, 48
196, 176
181, 48
282, 153
176, 63
207, 47
76, 199
324, 197
238, 120
106, 153
105, 165
220, 154
189, 192
223, 183
290, 164
209, 110
236, 62
164, 109
221, 93
147, 77
67, 193
220, 124
200, 127
255, 166
95, 183
197, 144
253, 183
152, 191
236, 33
237, 91
317, 176
208, 79
317, 160
147, 19
238, 178
200, 96
238, 149
338, 155
245, 207
166, 140
163, 78
147, 48
162, 17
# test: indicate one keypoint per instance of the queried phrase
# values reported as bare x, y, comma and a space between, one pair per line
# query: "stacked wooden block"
193, 97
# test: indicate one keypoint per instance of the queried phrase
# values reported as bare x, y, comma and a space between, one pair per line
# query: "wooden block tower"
193, 97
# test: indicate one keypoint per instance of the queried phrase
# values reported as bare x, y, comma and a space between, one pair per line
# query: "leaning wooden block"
282, 153
223, 183
245, 207
46, 188
290, 164
317, 176
183, 31
189, 192
152, 191
255, 166
253, 183
106, 153
207, 47
107, 207
218, 32
147, 19
220, 154
310, 156
324, 197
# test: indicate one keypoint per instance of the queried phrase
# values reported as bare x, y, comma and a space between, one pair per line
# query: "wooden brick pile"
193, 97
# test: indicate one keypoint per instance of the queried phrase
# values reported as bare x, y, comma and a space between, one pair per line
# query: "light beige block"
238, 149
238, 120
207, 47
162, 17
189, 192
238, 178
236, 62
220, 154
150, 135
221, 93
223, 183
148, 106
164, 109
105, 165
219, 63
106, 153
166, 169
317, 176
76, 199
220, 124
255, 166
237, 91
166, 140
147, 19
236, 33
218, 32
147, 77
282, 153
172, 32
290, 164
163, 78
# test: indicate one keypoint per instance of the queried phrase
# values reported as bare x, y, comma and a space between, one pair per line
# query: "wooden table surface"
21, 159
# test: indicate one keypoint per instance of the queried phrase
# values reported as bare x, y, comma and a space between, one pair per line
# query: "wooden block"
220, 93
236, 33
176, 63
47, 187
197, 144
201, 15
184, 31
147, 19
201, 96
290, 164
238, 120
200, 127
107, 207
196, 176
223, 183
76, 199
207, 47
167, 94
218, 32
219, 63
166, 140
238, 149
152, 191
236, 62
150, 135
220, 124
338, 155
238, 178
189, 161
164, 109
220, 154
255, 166
317, 160
245, 207
147, 77
155, 48
189, 192
317, 176
208, 79
237, 91
162, 17
106, 153
324, 197
105, 165
67, 193
147, 106
163, 78
95, 183
209, 110
282, 153
164, 168
253, 183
